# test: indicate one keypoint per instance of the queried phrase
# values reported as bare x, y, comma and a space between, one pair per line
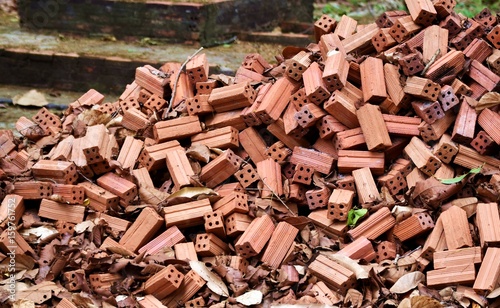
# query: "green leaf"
354, 215
460, 178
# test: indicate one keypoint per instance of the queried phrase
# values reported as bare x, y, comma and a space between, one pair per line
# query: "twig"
177, 79
431, 61
277, 197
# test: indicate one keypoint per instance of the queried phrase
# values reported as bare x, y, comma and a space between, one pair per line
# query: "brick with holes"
339, 204
325, 24
385, 250
246, 175
430, 112
75, 280
465, 124
71, 194
335, 72
493, 61
297, 193
308, 115
382, 40
214, 223
315, 87
298, 64
413, 226
483, 143
303, 174
403, 28
255, 62
465, 37
255, 237
198, 105
447, 98
393, 180
209, 245
333, 274
330, 44
164, 282
317, 198
197, 68
236, 223
412, 64
220, 169
232, 203
278, 152
328, 126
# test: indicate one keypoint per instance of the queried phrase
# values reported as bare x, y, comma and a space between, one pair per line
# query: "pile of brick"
257, 174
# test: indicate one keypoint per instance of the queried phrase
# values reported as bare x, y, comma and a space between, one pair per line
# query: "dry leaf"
214, 282
407, 282
85, 226
494, 294
93, 117
200, 152
349, 263
41, 233
192, 192
354, 297
488, 100
253, 297
23, 303
30, 98
151, 195
405, 303
424, 302
41, 292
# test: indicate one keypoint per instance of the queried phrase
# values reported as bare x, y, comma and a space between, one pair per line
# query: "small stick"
277, 197
183, 66
431, 61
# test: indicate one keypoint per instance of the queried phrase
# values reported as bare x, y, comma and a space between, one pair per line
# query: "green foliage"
354, 215
460, 178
